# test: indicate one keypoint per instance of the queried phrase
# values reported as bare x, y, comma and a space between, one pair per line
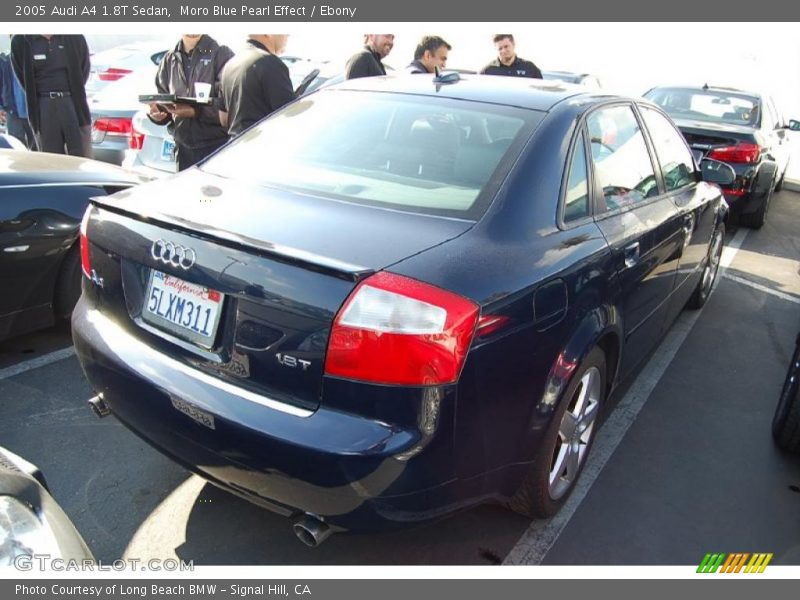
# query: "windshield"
416, 153
708, 105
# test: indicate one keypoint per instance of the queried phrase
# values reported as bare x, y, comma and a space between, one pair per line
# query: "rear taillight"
113, 125
396, 330
113, 74
740, 153
86, 266
136, 141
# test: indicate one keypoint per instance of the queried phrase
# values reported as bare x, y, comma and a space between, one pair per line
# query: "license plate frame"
204, 337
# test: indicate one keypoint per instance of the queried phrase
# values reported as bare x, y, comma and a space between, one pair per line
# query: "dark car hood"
347, 236
695, 125
21, 167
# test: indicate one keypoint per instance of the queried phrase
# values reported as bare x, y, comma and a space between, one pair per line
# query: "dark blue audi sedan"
398, 297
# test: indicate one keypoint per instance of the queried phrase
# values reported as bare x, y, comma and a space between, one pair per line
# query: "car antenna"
705, 87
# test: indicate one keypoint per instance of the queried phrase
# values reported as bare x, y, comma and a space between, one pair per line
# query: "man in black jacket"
431, 52
507, 62
256, 82
53, 70
198, 130
367, 63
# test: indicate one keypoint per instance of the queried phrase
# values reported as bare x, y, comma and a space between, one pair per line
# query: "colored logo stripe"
733, 563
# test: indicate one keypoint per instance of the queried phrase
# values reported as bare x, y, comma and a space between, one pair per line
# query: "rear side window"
415, 153
576, 199
621, 160
677, 164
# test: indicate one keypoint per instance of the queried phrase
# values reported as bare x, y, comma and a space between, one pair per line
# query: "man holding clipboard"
191, 71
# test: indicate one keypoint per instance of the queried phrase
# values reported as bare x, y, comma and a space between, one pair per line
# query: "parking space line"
540, 536
763, 288
35, 363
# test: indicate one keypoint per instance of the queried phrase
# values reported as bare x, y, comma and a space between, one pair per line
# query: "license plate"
188, 310
168, 150
193, 412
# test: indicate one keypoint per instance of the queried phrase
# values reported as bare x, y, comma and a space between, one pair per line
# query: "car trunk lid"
281, 263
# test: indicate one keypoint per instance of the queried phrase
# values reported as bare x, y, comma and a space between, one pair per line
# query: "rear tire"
709, 276
756, 220
567, 443
68, 285
786, 422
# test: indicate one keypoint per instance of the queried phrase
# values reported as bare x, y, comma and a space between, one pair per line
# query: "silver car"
112, 113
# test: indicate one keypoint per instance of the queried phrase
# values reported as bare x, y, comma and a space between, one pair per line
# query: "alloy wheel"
575, 434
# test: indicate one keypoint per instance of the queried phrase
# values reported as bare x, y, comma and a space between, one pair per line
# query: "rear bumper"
354, 472
110, 151
133, 162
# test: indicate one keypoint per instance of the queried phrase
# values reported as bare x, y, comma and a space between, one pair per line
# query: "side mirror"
717, 172
794, 125
301, 89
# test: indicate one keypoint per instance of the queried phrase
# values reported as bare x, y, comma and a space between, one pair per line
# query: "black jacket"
519, 68
364, 64
77, 74
254, 84
416, 67
206, 63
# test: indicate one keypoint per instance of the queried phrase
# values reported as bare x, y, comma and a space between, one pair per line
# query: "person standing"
368, 62
198, 130
431, 52
53, 70
13, 104
256, 82
507, 62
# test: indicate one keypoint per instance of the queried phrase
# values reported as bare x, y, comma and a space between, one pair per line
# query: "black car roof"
535, 94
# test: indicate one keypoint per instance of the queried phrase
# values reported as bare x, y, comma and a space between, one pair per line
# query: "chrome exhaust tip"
310, 530
99, 406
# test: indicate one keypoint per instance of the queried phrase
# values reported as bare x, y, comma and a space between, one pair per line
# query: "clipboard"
172, 99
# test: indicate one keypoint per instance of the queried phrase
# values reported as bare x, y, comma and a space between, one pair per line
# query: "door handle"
631, 254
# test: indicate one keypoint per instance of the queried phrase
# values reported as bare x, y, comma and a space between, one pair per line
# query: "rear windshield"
415, 153
712, 105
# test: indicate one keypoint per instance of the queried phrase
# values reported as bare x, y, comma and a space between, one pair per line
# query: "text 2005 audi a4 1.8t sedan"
398, 297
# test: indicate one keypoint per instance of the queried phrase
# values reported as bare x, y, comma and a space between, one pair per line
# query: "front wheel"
706, 283
566, 445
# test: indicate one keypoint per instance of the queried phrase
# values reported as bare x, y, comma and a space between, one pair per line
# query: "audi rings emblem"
173, 254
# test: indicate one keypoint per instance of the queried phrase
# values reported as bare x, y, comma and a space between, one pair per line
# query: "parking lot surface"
685, 465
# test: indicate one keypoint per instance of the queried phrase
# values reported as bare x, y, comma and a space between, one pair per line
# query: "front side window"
413, 153
621, 160
677, 164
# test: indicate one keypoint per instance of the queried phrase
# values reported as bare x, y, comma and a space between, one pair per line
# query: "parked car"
9, 142
117, 63
32, 524
42, 199
112, 112
421, 301
569, 77
743, 129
